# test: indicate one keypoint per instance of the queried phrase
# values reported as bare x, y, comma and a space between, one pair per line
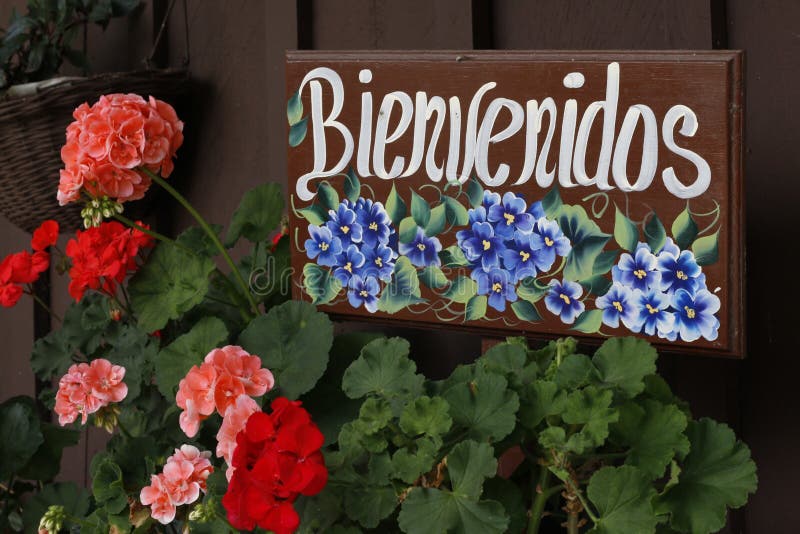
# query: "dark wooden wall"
236, 140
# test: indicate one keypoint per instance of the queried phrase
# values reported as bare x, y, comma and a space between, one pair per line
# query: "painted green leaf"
684, 229
315, 214
717, 474
462, 290
328, 196
626, 234
169, 284
21, 435
589, 321
655, 233
437, 221
587, 241
395, 206
297, 132
293, 340
320, 284
352, 186
294, 109
597, 285
530, 290
474, 192
526, 311
623, 362
456, 213
453, 256
476, 308
407, 230
433, 277
551, 203
384, 369
420, 210
605, 261
706, 249
175, 360
258, 215
622, 497
403, 290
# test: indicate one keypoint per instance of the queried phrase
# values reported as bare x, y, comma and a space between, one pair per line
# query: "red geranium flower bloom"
45, 236
277, 458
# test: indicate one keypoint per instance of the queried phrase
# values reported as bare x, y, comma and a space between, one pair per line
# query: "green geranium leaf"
434, 511
75, 501
462, 290
525, 311
456, 213
107, 485
315, 214
293, 340
589, 321
706, 249
436, 222
576, 370
46, 461
171, 283
320, 284
258, 215
626, 234
427, 416
587, 241
540, 399
294, 109
684, 229
717, 474
175, 360
420, 210
509, 493
84, 327
369, 504
374, 415
297, 132
383, 368
476, 308
484, 405
21, 435
196, 239
403, 291
655, 234
327, 196
407, 230
622, 497
474, 192
395, 206
453, 256
408, 465
623, 362
352, 186
551, 203
51, 356
136, 352
508, 358
653, 434
591, 408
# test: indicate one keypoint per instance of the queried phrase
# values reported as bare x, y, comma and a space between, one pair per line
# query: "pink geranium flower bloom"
105, 381
88, 387
201, 464
234, 421
157, 497
196, 397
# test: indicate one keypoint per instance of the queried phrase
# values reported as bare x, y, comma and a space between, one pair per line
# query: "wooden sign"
544, 193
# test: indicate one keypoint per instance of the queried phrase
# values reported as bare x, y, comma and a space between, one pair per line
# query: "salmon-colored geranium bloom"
196, 397
157, 497
88, 387
105, 381
234, 421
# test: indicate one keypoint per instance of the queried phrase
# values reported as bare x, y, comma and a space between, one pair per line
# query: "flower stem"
540, 500
42, 303
155, 235
209, 231
572, 523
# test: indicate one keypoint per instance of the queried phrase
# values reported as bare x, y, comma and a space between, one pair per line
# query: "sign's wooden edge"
734, 59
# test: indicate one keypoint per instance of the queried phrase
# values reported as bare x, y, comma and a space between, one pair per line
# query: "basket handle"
149, 59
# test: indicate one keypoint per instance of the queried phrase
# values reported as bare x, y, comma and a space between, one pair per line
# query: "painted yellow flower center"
421, 246
379, 262
565, 298
690, 313
524, 255
681, 275
509, 219
486, 244
373, 225
547, 241
497, 287
348, 267
618, 305
640, 273
344, 229
651, 309
364, 293
323, 246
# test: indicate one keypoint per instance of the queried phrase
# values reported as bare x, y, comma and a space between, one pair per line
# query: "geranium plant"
234, 409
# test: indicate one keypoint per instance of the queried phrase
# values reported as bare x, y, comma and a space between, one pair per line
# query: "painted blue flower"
510, 216
563, 299
477, 215
678, 271
342, 224
322, 245
490, 199
653, 315
482, 246
375, 223
519, 257
670, 247
617, 304
548, 241
422, 251
497, 284
537, 210
349, 263
637, 271
363, 291
694, 315
379, 262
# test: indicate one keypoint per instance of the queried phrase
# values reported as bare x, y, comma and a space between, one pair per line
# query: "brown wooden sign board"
538, 193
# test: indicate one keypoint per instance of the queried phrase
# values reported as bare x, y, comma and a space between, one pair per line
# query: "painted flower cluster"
661, 293
508, 241
359, 244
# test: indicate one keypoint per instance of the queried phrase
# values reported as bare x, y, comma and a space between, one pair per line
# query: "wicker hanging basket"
32, 132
